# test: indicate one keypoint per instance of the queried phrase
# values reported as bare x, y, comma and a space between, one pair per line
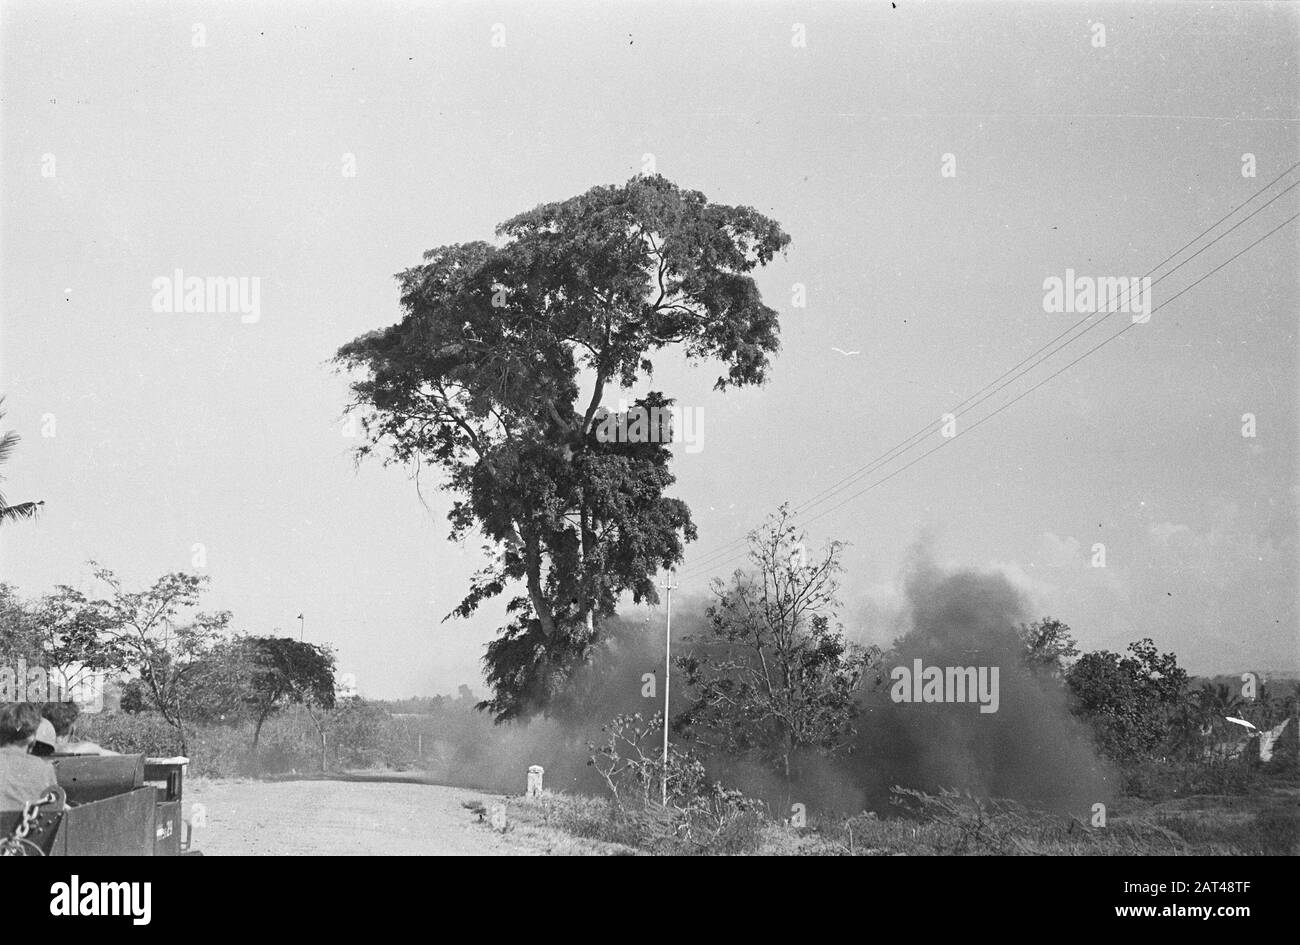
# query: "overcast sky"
129, 152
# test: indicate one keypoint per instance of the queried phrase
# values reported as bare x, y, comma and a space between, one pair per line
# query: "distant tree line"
165, 655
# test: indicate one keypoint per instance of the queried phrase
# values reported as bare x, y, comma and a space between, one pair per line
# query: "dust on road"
342, 818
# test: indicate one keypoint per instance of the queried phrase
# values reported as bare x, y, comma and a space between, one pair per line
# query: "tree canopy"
284, 671
1131, 701
496, 375
1050, 647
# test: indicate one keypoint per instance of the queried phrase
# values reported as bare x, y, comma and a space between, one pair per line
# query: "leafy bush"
129, 733
700, 816
356, 734
214, 750
289, 742
1132, 702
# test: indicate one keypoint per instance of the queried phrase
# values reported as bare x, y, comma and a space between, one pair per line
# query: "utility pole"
668, 585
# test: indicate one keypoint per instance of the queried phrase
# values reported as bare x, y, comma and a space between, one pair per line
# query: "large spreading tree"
497, 375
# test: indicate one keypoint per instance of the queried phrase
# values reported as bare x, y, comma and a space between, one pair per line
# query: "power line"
965, 406
961, 408
715, 563
1060, 370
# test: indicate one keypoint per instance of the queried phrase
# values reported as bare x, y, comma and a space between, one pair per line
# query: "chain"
18, 844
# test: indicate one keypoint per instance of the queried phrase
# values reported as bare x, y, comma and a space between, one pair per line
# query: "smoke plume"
1031, 749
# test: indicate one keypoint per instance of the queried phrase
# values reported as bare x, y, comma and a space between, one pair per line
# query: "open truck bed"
116, 808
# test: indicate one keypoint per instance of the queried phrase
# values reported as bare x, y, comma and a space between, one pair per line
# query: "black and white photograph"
719, 428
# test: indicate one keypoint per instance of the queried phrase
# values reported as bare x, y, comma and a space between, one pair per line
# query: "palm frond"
8, 512
21, 510
7, 443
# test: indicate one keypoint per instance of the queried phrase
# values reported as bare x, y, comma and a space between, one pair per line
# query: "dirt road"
341, 818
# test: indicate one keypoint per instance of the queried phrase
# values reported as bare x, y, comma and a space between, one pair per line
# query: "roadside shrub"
129, 733
214, 750
740, 833
358, 735
700, 816
357, 731
1278, 830
1159, 780
219, 751
288, 742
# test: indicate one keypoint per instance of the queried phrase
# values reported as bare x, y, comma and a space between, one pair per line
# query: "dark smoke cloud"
1031, 750
613, 682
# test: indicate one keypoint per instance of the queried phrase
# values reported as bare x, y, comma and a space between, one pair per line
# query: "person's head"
18, 722
61, 716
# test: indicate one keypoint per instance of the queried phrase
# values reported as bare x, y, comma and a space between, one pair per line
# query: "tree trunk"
320, 730
585, 603
532, 561
790, 745
785, 760
257, 729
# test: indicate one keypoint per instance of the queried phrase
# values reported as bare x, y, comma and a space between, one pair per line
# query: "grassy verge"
1265, 822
